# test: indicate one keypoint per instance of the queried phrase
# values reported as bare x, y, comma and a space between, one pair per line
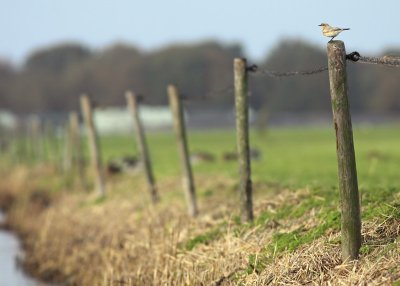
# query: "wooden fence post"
36, 139
179, 126
93, 145
49, 138
243, 146
27, 142
132, 102
348, 186
68, 148
75, 140
21, 149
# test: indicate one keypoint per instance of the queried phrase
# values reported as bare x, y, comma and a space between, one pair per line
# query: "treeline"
53, 78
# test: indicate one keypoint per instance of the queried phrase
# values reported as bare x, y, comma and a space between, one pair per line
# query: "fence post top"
84, 96
172, 88
336, 43
240, 60
129, 93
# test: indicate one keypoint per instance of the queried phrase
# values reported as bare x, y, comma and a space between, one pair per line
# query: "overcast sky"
257, 24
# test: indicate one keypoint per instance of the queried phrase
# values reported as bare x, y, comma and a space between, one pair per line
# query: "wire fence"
354, 57
254, 70
390, 61
275, 74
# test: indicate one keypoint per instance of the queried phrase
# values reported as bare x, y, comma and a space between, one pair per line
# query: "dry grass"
121, 241
319, 263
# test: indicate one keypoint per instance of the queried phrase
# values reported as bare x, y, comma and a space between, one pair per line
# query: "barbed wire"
253, 69
386, 60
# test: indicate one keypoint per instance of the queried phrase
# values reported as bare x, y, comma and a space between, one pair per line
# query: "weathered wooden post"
24, 142
132, 102
49, 137
243, 145
348, 186
36, 139
180, 130
20, 143
93, 145
75, 140
27, 142
68, 148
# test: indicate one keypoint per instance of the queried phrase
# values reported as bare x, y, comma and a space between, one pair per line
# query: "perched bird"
332, 32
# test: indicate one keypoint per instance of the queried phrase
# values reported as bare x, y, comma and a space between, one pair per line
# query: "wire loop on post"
252, 68
354, 56
386, 60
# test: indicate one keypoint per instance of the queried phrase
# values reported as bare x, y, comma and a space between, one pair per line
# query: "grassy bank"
73, 237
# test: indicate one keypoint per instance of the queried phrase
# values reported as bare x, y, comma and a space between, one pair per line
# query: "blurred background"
53, 51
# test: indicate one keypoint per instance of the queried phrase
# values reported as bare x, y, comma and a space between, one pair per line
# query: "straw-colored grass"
319, 263
74, 238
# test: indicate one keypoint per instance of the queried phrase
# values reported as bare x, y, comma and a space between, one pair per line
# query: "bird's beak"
320, 25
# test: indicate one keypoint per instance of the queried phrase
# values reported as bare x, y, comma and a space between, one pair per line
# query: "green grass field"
290, 156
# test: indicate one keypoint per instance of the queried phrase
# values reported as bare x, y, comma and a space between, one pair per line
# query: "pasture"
126, 240
295, 157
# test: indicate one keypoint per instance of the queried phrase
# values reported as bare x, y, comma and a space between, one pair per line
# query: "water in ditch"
10, 250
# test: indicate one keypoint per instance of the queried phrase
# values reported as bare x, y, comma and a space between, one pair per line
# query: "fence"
347, 173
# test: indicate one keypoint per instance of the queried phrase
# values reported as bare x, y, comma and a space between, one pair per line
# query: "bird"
332, 32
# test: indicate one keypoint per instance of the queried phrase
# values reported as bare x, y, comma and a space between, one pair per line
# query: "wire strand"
354, 57
386, 60
275, 74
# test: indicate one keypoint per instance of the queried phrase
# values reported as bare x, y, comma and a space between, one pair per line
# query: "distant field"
290, 156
